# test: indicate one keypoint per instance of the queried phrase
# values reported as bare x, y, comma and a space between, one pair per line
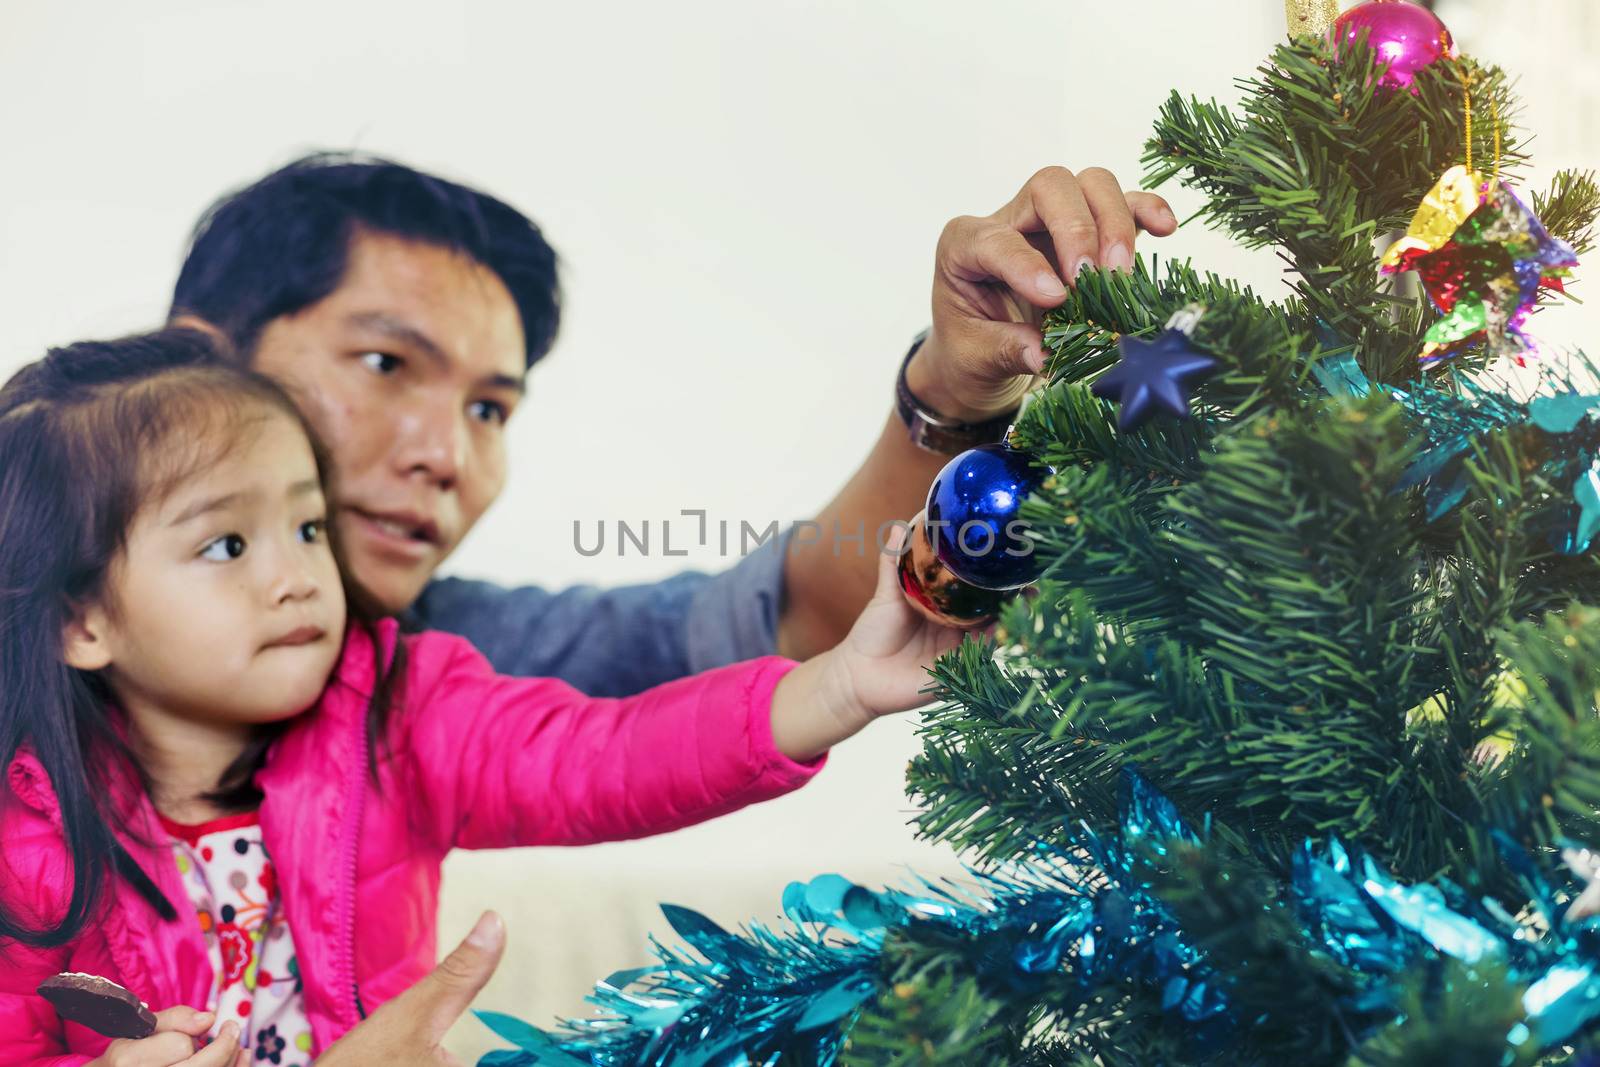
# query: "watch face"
951, 440
938, 439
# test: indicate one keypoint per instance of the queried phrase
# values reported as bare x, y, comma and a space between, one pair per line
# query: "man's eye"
382, 362
490, 411
311, 532
224, 548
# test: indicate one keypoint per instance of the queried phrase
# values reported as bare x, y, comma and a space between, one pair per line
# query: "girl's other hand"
172, 1045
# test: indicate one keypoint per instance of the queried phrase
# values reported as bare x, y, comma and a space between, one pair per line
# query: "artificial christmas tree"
1295, 756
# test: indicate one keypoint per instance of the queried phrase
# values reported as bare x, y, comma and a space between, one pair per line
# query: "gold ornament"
1313, 18
1448, 204
938, 594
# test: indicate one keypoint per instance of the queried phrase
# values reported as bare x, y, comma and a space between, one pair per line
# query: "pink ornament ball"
1406, 36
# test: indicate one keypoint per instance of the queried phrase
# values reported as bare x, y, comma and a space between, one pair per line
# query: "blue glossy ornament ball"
973, 517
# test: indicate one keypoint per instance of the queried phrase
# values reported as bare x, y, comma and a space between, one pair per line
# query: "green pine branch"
1569, 209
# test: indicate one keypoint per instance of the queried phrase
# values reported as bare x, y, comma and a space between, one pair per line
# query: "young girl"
224, 795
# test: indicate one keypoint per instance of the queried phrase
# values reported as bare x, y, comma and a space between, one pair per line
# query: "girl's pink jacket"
479, 760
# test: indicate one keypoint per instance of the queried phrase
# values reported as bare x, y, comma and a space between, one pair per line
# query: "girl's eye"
311, 532
381, 362
490, 411
224, 548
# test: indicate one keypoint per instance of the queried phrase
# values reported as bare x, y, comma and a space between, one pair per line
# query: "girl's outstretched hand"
172, 1045
879, 668
888, 651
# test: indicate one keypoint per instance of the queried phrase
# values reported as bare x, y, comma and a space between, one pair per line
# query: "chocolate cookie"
98, 1003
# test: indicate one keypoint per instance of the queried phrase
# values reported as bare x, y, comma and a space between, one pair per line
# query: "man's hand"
995, 276
406, 1031
993, 280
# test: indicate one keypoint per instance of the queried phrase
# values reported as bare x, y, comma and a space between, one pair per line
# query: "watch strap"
939, 433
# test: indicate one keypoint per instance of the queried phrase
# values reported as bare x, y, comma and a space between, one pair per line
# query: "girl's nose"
294, 583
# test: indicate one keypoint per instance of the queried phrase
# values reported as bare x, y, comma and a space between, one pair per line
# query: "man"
404, 311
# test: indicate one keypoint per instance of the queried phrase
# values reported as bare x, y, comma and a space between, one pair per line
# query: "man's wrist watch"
934, 432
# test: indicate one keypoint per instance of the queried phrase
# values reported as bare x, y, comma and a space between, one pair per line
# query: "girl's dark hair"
90, 435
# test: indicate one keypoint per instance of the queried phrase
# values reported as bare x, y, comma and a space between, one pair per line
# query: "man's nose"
432, 441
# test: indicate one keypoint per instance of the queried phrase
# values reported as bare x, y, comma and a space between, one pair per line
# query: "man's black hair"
280, 245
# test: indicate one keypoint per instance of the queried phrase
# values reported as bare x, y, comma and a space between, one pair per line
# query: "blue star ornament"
1154, 376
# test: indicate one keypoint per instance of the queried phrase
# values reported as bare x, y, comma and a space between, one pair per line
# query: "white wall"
746, 196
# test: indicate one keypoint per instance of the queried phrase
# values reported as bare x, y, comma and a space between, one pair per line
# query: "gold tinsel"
1314, 17
1448, 204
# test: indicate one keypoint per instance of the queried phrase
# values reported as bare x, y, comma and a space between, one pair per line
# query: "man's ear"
84, 643
188, 320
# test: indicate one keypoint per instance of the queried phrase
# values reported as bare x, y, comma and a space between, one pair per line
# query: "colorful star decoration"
1482, 256
1154, 376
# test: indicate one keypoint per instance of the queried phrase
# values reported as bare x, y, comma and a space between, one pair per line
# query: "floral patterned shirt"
234, 890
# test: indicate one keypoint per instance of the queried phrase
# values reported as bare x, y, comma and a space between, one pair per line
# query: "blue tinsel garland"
798, 991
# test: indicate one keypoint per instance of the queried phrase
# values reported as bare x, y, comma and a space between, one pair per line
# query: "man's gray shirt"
615, 642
